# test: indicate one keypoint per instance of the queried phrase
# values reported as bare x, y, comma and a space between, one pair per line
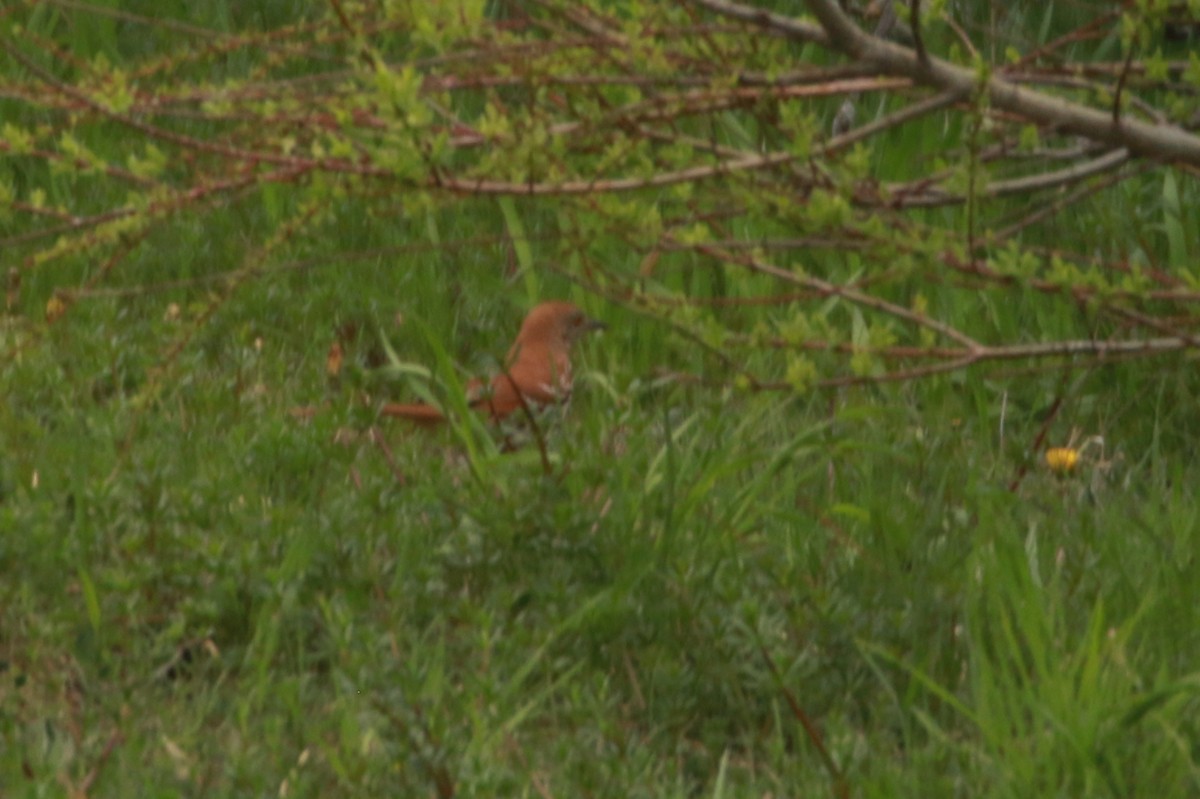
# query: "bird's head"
555, 324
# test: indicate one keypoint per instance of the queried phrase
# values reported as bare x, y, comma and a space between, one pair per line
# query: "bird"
537, 369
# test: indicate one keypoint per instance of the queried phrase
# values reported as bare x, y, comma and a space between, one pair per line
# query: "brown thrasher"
537, 369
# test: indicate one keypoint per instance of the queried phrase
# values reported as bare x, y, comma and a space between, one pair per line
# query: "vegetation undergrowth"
743, 561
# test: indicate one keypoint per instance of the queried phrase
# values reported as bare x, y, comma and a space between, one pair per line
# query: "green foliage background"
753, 567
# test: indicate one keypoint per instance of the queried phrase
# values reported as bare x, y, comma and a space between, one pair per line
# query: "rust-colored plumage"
537, 368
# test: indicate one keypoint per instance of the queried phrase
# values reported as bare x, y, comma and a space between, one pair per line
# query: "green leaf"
20, 141
1173, 224
1157, 68
1030, 139
520, 242
91, 600
1191, 74
801, 374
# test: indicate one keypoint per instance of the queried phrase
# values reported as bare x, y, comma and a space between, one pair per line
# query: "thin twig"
114, 740
1116, 109
539, 436
914, 23
378, 440
841, 789
1040, 438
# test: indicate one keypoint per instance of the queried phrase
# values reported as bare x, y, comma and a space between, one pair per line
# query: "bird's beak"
593, 324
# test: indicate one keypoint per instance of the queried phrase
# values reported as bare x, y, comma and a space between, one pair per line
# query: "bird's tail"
419, 412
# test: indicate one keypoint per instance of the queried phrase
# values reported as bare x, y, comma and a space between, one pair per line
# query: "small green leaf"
91, 600
801, 373
1157, 67
1029, 137
20, 141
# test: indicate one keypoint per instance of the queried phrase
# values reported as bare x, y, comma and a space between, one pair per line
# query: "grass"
246, 604
200, 595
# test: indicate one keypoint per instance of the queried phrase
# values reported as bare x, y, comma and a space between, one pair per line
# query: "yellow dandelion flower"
1062, 460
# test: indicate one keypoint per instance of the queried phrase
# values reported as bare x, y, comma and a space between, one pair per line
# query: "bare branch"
1153, 141
793, 28
1076, 195
1023, 185
827, 289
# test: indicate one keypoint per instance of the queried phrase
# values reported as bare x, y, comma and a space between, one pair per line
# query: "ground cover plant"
880, 482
